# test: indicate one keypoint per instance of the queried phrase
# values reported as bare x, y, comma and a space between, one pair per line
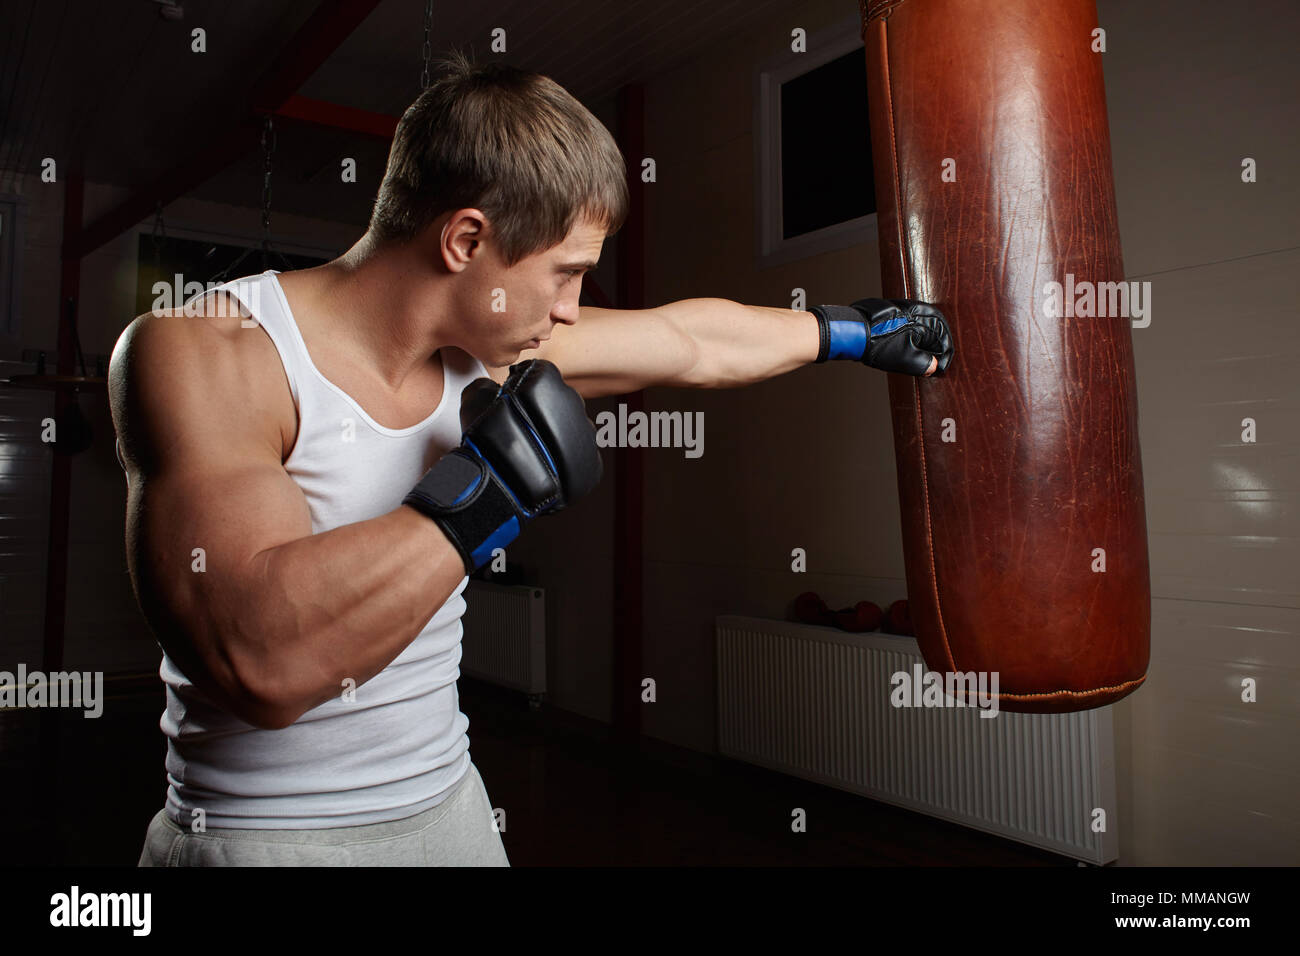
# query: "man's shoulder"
209, 323
206, 354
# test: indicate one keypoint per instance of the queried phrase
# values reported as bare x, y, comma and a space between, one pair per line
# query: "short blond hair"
512, 143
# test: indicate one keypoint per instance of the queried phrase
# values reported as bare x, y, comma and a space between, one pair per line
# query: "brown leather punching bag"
1019, 472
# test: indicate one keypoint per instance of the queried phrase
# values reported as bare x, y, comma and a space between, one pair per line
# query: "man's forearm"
735, 344
343, 604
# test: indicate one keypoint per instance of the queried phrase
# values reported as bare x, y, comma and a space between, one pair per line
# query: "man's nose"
566, 311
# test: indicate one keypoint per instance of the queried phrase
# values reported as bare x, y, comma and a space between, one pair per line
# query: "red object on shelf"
900, 619
862, 617
811, 609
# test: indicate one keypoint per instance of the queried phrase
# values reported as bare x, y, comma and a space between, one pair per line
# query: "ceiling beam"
323, 33
333, 116
203, 165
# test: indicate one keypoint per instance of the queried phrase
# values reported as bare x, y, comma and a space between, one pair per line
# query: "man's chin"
510, 357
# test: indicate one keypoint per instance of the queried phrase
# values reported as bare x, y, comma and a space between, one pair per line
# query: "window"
825, 147
816, 191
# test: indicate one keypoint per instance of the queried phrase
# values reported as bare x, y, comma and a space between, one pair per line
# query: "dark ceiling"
115, 82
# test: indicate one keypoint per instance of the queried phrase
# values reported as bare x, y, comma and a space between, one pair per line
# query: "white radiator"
814, 702
505, 636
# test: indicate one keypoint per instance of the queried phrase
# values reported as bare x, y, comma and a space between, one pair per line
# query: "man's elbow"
271, 718
263, 715
257, 701
267, 698
245, 685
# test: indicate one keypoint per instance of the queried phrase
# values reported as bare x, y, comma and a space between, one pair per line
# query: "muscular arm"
279, 617
693, 343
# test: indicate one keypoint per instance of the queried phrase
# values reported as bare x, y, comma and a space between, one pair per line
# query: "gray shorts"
457, 832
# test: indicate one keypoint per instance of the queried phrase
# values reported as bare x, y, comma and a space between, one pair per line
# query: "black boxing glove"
527, 448
895, 335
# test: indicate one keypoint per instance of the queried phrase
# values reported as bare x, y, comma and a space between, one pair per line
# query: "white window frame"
185, 229
771, 247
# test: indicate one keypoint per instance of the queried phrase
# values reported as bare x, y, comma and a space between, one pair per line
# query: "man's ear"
462, 238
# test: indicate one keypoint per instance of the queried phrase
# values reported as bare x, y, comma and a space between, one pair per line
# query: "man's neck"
380, 303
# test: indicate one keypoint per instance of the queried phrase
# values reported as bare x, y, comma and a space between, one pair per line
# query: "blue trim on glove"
881, 328
541, 445
499, 538
469, 490
848, 340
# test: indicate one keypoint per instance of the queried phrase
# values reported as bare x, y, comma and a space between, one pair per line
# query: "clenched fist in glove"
527, 448
894, 335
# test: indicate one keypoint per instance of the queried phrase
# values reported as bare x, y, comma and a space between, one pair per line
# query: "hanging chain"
268, 149
428, 50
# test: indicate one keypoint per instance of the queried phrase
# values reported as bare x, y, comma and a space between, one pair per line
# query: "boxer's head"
510, 186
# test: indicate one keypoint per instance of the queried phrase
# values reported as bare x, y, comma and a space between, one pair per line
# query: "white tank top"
402, 745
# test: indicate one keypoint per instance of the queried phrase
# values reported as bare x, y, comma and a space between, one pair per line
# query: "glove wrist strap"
473, 509
843, 333
823, 334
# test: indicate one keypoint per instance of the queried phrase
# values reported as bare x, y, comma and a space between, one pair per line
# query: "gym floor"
572, 798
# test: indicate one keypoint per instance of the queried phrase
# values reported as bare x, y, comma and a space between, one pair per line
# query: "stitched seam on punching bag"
878, 7
1076, 693
893, 155
907, 294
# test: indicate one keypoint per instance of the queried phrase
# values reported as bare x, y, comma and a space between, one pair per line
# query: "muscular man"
317, 459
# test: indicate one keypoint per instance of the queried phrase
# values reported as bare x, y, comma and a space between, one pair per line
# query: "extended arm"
718, 343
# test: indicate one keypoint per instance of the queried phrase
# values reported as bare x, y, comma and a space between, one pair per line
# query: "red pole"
56, 552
